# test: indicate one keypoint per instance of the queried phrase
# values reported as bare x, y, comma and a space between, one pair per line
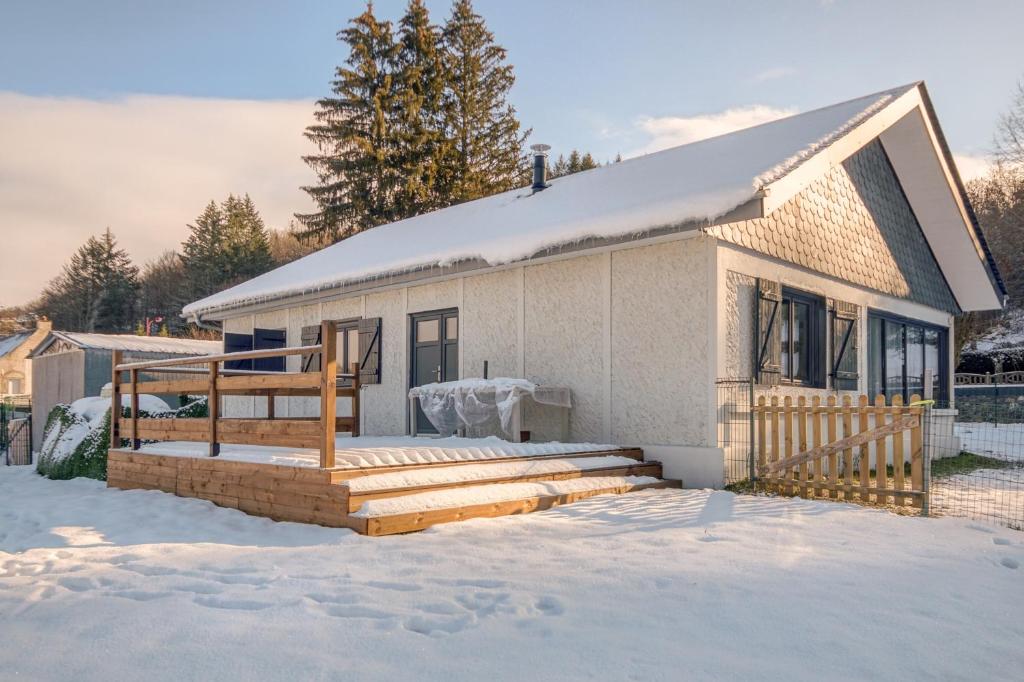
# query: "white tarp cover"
473, 403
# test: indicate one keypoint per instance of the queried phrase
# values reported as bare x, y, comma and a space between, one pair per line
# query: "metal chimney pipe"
540, 166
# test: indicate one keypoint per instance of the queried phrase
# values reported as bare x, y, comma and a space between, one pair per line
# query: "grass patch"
965, 463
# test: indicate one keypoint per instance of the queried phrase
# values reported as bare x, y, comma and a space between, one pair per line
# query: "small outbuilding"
67, 366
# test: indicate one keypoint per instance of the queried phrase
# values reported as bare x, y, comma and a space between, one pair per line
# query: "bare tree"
1010, 131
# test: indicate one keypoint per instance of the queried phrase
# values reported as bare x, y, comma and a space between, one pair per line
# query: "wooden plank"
328, 388
115, 399
787, 439
762, 437
902, 424
133, 380
268, 381
897, 456
917, 457
277, 427
183, 424
833, 459
775, 452
818, 466
801, 422
354, 426
881, 453
213, 409
405, 523
222, 357
190, 386
847, 452
865, 468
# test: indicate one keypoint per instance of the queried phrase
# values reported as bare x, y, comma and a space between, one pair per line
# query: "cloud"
774, 73
142, 165
972, 166
672, 131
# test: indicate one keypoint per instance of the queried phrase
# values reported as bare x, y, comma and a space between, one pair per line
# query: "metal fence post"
750, 419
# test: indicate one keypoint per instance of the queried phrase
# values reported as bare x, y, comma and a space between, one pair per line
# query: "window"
348, 347
902, 353
14, 386
260, 339
802, 335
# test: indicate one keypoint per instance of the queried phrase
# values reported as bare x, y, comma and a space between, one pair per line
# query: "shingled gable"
743, 175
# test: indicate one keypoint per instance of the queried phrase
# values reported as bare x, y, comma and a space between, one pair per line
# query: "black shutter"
768, 342
369, 350
311, 337
236, 343
844, 369
268, 338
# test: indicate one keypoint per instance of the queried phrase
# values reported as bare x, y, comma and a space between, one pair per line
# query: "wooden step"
419, 520
356, 498
340, 475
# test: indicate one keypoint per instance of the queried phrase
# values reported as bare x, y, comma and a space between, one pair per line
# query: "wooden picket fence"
857, 453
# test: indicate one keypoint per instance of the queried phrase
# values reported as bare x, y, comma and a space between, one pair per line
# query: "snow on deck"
482, 472
695, 182
490, 494
100, 584
374, 451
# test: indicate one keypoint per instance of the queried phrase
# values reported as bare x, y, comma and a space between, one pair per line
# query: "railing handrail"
228, 372
1015, 376
221, 357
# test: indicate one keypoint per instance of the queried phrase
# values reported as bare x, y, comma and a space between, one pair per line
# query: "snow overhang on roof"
131, 343
742, 175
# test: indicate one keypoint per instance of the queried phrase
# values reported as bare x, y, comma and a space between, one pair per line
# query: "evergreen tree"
226, 245
574, 164
486, 154
161, 291
95, 291
420, 81
357, 137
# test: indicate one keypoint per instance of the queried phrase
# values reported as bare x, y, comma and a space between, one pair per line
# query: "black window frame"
887, 318
344, 327
816, 342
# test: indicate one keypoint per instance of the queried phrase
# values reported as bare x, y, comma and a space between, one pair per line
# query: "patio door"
435, 354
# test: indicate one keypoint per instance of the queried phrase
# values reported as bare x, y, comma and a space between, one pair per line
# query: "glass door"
434, 354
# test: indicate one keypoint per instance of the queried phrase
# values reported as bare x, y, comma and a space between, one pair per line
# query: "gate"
16, 442
867, 453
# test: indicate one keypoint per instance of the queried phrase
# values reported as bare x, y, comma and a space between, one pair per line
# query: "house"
827, 252
15, 363
67, 366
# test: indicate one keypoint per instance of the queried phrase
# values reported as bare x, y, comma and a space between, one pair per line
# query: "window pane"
451, 328
339, 353
893, 358
353, 346
801, 330
784, 335
427, 331
931, 358
876, 346
915, 360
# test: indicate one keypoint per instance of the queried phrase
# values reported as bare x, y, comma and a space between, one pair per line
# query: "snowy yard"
104, 584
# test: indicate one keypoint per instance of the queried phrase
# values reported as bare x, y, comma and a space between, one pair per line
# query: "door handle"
438, 373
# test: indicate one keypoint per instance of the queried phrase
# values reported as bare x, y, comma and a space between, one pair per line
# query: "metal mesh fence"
976, 455
736, 428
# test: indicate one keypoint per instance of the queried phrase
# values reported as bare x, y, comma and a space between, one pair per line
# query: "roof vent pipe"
540, 166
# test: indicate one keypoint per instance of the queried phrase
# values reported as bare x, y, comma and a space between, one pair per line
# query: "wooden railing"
204, 375
824, 450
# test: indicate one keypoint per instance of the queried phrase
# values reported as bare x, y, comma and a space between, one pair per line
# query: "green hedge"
89, 458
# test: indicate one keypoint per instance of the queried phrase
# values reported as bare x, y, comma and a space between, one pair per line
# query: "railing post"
355, 399
134, 379
328, 391
213, 407
115, 399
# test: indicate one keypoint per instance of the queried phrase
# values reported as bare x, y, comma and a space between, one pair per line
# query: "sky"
134, 114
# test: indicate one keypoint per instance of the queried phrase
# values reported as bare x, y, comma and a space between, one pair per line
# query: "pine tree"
96, 289
226, 245
576, 162
356, 136
420, 82
486, 153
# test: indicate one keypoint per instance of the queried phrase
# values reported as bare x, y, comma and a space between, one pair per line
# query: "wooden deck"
316, 489
322, 496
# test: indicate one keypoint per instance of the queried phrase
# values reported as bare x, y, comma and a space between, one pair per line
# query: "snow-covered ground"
995, 495
100, 584
1002, 441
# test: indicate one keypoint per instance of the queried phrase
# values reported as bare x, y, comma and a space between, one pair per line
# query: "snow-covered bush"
77, 436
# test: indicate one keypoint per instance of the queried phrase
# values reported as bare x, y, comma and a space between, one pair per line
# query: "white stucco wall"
385, 405
491, 317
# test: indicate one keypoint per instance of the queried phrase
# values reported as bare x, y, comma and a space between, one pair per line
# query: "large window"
902, 353
348, 347
802, 334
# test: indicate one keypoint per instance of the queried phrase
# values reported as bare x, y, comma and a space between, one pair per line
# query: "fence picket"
917, 454
848, 452
833, 460
801, 430
864, 464
897, 451
773, 455
818, 475
787, 437
881, 453
762, 456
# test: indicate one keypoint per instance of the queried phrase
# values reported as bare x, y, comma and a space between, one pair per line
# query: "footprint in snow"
77, 584
437, 627
1000, 541
550, 606
355, 611
398, 587
232, 604
140, 595
1009, 563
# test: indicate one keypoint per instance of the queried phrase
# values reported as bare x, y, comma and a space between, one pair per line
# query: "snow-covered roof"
9, 343
132, 343
684, 187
